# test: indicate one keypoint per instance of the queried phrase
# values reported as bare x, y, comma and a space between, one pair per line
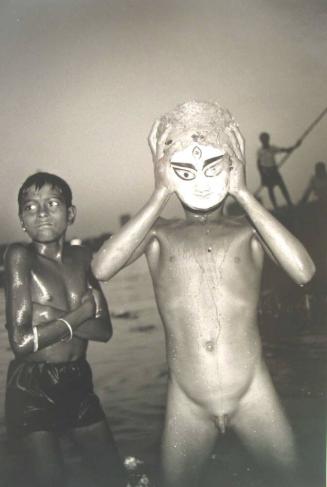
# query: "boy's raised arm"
132, 239
286, 249
134, 236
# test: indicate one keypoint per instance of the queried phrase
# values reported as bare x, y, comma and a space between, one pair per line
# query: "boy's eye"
185, 174
213, 170
53, 203
30, 207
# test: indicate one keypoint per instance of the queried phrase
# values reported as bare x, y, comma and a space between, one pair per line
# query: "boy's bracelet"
69, 328
35, 339
98, 311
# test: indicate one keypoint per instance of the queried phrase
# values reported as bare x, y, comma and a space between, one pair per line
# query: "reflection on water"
130, 378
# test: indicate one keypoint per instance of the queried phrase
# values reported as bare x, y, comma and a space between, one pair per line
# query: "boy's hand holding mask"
160, 161
235, 148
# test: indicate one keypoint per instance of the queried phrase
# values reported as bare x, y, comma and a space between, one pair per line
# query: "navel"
209, 346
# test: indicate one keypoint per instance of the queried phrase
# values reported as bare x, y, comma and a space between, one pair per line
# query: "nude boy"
54, 306
206, 272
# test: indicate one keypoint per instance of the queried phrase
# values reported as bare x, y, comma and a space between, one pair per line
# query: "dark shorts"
270, 177
50, 397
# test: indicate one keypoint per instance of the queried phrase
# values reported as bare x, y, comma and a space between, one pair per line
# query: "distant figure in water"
54, 306
206, 271
270, 175
316, 218
317, 186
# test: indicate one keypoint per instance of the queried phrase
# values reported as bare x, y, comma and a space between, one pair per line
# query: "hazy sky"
82, 82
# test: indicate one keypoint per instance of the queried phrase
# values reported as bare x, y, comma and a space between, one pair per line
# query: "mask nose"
202, 183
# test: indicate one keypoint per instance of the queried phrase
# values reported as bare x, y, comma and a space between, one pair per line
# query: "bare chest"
218, 253
59, 285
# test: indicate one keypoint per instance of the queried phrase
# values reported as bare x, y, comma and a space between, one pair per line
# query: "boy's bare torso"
206, 279
206, 272
56, 288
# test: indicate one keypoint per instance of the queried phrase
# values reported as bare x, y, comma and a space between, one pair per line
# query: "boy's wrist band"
35, 339
98, 310
69, 329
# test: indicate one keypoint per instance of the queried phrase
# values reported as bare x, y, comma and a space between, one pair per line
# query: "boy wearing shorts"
54, 306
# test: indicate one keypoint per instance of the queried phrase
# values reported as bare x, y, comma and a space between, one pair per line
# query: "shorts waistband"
70, 363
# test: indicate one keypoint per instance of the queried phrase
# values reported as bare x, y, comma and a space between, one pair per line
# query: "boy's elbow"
106, 336
101, 277
97, 270
106, 330
21, 342
306, 274
19, 347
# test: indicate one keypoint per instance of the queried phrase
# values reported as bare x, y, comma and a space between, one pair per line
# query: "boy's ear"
71, 214
22, 224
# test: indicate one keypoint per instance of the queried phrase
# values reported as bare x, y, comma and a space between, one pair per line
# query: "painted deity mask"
200, 174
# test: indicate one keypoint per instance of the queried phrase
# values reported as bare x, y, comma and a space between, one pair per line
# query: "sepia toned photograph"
163, 273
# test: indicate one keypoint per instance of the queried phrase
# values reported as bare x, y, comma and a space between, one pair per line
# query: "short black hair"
39, 179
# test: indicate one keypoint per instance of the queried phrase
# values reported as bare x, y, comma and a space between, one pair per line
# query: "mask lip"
194, 207
203, 211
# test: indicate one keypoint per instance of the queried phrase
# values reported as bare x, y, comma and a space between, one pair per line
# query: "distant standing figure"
317, 186
270, 176
316, 220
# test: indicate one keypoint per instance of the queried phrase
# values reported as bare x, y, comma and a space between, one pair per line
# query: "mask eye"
213, 170
186, 174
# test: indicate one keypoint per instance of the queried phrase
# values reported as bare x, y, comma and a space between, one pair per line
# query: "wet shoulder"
164, 226
18, 255
239, 222
240, 226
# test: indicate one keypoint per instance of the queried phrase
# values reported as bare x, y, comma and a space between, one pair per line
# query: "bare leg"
263, 428
101, 455
272, 196
285, 192
43, 456
188, 439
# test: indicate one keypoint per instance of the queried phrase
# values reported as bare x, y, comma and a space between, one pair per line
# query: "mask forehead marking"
196, 152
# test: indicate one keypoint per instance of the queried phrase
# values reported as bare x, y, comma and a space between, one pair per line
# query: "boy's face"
200, 176
44, 214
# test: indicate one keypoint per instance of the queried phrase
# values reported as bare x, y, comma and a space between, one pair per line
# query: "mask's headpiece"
195, 121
